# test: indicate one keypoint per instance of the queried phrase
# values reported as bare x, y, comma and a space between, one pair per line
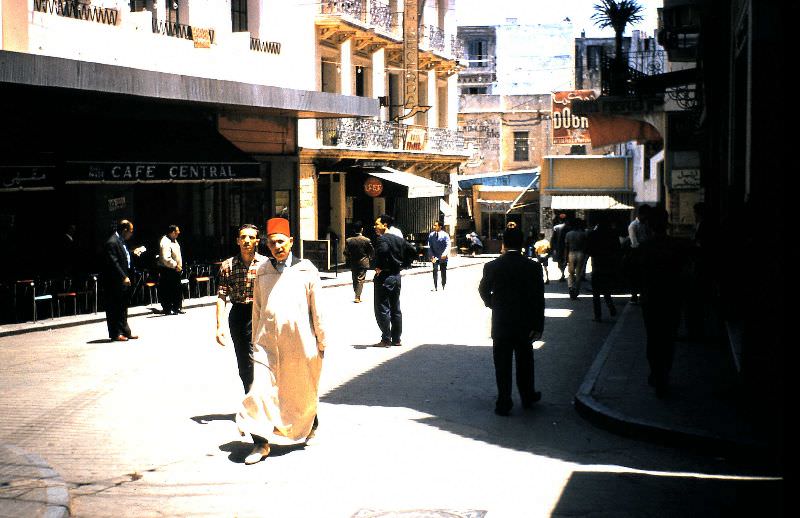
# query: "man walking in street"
574, 248
170, 267
389, 260
560, 230
236, 278
439, 249
358, 251
512, 287
288, 347
116, 278
638, 234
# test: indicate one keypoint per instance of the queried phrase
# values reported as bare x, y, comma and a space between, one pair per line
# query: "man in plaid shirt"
236, 277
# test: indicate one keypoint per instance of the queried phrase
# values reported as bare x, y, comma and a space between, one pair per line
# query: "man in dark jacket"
116, 281
512, 287
358, 251
390, 257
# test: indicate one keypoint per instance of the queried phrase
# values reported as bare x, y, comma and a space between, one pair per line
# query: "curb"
137, 311
57, 500
615, 421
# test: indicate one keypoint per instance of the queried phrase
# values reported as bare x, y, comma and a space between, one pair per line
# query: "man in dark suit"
390, 253
512, 287
116, 281
358, 251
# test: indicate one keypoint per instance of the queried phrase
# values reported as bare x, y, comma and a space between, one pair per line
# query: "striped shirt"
236, 279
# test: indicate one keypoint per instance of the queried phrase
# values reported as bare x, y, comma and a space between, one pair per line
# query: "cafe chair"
41, 293
202, 275
149, 287
65, 291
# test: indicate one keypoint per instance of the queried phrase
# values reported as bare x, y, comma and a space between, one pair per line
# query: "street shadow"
205, 419
630, 494
100, 341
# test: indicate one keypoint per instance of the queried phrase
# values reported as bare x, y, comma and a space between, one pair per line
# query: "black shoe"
501, 412
535, 398
179, 312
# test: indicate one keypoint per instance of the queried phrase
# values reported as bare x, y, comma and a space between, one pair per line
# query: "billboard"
568, 128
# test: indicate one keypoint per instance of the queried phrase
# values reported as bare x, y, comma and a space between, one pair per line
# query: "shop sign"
373, 186
115, 204
154, 172
415, 139
568, 127
685, 178
25, 178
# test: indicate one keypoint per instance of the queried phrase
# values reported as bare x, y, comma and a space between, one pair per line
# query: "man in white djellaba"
288, 347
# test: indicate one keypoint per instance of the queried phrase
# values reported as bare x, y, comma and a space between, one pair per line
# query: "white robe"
288, 337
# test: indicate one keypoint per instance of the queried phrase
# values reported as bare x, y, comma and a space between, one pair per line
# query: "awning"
176, 154
605, 130
418, 187
587, 203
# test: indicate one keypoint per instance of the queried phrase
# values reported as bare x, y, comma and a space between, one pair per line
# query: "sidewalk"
701, 410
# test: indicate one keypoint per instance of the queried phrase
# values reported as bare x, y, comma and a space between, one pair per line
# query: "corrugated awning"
418, 187
603, 202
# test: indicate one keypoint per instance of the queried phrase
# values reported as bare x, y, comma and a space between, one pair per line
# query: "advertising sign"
373, 186
569, 128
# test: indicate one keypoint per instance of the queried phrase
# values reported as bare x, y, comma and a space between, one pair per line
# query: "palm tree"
617, 14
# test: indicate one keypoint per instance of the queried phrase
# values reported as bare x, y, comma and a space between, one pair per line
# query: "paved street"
145, 428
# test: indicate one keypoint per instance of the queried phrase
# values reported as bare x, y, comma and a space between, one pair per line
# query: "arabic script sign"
569, 128
25, 177
685, 178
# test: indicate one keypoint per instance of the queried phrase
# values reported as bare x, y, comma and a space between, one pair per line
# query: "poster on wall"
568, 128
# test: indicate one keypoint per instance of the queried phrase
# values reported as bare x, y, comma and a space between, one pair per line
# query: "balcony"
77, 10
179, 30
622, 77
371, 134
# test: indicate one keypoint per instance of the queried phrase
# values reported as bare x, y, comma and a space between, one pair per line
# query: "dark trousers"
359, 274
503, 351
387, 306
596, 302
660, 323
169, 289
117, 299
440, 264
240, 322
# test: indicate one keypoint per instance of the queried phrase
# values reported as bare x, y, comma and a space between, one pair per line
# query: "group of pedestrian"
278, 327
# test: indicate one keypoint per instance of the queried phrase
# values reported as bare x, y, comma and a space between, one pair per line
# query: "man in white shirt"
170, 267
638, 233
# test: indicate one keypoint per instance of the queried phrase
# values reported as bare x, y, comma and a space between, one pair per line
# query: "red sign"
373, 186
569, 128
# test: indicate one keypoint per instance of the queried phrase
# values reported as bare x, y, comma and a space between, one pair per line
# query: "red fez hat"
278, 226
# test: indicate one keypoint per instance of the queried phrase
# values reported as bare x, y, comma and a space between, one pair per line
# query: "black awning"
179, 153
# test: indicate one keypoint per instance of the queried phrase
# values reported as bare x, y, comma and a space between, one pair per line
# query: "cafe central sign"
160, 172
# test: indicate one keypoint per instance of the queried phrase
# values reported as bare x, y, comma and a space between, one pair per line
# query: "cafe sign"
373, 186
160, 172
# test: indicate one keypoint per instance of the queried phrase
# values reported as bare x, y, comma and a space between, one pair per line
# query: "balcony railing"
351, 8
380, 15
178, 30
271, 47
618, 76
435, 38
77, 10
384, 135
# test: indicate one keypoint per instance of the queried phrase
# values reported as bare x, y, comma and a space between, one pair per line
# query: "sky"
492, 12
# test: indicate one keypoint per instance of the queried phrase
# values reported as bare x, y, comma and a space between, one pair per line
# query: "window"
239, 15
474, 90
521, 146
173, 14
478, 53
138, 5
593, 53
